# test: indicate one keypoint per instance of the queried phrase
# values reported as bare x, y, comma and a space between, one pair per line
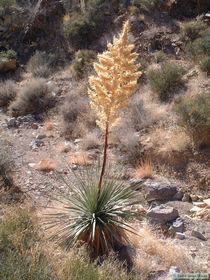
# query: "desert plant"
6, 3
96, 212
79, 31
6, 165
200, 47
10, 54
35, 98
195, 117
205, 65
21, 257
7, 93
194, 29
40, 64
148, 5
163, 81
145, 169
77, 117
83, 62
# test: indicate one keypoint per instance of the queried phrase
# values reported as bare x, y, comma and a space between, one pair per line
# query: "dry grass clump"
144, 170
36, 97
46, 165
7, 93
79, 158
40, 64
91, 141
162, 253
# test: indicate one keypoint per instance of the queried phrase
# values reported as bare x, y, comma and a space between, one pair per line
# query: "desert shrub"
77, 117
160, 56
205, 65
35, 98
21, 257
199, 47
195, 117
148, 5
6, 3
79, 32
83, 62
7, 93
127, 141
90, 141
79, 266
163, 81
40, 64
10, 54
193, 29
6, 165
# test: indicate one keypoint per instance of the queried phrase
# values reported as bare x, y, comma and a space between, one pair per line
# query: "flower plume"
115, 81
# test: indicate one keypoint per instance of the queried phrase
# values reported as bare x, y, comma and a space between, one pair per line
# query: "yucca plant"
98, 209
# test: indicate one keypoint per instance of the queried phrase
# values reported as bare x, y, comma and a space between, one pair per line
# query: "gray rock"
36, 144
11, 123
198, 235
178, 225
159, 190
162, 214
180, 236
178, 196
186, 198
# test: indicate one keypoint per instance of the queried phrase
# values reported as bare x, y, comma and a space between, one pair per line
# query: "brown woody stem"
104, 158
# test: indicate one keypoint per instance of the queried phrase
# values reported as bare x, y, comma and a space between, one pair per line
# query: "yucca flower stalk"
97, 210
115, 81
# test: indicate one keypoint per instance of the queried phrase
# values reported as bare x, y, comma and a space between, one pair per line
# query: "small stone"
36, 144
11, 123
180, 235
198, 235
40, 136
178, 225
186, 198
34, 126
162, 214
194, 198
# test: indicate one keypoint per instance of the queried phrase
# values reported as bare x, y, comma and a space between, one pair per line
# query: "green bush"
199, 48
195, 117
79, 31
148, 5
205, 65
6, 3
10, 54
83, 62
194, 29
85, 28
35, 98
163, 81
7, 93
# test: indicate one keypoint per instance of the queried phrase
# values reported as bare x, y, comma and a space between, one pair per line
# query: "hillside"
53, 107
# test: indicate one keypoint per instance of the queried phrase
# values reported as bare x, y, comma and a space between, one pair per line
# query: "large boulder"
159, 190
162, 214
